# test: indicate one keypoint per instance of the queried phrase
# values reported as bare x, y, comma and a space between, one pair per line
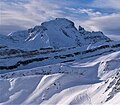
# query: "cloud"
114, 37
107, 23
28, 14
94, 16
10, 28
90, 12
97, 21
115, 4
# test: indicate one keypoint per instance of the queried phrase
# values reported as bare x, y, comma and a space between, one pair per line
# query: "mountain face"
56, 33
57, 64
93, 37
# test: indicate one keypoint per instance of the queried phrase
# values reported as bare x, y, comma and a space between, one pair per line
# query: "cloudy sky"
93, 15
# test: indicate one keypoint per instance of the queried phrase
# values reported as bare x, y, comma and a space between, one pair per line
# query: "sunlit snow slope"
93, 81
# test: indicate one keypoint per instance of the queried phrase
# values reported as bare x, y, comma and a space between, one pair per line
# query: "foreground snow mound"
56, 33
74, 83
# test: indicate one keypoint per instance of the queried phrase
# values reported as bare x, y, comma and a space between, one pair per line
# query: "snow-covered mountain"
56, 33
57, 64
76, 83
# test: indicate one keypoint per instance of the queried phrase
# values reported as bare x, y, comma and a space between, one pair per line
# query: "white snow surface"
94, 81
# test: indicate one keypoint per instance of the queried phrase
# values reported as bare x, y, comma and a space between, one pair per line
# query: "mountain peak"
56, 33
59, 23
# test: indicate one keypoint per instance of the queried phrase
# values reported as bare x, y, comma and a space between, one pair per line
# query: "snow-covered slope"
75, 83
16, 59
56, 64
93, 37
62, 33
56, 33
